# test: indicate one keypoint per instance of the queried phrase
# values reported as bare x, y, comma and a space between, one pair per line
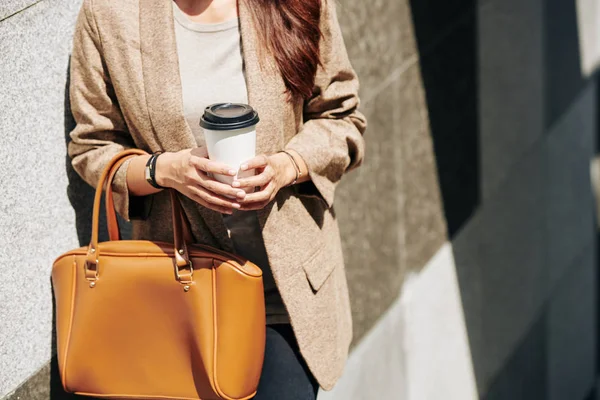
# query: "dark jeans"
285, 375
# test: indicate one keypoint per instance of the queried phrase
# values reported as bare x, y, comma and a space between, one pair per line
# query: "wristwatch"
150, 171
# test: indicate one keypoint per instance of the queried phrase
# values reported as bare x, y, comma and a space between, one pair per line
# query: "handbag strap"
184, 270
114, 232
112, 223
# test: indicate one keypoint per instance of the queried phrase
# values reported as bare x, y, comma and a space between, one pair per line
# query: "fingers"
259, 180
258, 200
225, 198
219, 188
254, 206
212, 201
260, 161
208, 166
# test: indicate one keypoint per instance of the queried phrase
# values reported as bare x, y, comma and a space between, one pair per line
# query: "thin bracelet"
298, 170
296, 167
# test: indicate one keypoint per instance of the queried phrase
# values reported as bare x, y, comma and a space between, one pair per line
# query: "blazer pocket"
318, 267
314, 229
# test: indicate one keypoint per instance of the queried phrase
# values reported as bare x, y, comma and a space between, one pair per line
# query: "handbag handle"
183, 266
112, 223
114, 232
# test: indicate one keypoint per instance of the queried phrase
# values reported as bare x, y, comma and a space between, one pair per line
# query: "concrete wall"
37, 219
494, 295
469, 232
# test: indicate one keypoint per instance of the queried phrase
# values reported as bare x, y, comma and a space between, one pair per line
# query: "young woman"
142, 72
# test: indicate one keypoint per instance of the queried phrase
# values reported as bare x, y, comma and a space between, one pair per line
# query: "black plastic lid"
228, 116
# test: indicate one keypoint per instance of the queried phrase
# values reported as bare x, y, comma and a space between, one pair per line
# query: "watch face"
147, 174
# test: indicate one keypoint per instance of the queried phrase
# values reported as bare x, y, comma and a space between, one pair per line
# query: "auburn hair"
289, 30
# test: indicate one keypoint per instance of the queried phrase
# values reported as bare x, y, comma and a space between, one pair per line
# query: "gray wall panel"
449, 73
563, 73
438, 19
367, 207
424, 225
571, 330
523, 374
511, 90
378, 35
500, 265
568, 197
37, 221
12, 7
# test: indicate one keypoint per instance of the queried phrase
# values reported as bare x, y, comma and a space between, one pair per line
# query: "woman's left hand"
272, 173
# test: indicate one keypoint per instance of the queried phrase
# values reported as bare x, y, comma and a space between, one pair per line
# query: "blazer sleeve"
331, 138
100, 132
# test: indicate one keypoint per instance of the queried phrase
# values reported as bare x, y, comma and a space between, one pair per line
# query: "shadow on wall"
448, 68
81, 197
500, 77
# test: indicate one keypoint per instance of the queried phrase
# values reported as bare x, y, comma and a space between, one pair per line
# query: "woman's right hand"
187, 172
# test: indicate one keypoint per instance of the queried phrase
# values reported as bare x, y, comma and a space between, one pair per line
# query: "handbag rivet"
92, 250
181, 251
92, 284
186, 288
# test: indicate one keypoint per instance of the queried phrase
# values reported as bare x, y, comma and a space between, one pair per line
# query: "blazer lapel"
266, 92
162, 82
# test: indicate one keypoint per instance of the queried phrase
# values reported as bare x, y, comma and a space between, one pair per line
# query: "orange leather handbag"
138, 319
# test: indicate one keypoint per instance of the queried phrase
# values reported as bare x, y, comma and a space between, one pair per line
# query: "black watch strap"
151, 176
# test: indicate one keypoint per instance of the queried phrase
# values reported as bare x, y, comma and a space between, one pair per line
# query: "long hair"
289, 30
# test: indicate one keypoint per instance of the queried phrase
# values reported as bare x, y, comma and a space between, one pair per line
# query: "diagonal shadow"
497, 76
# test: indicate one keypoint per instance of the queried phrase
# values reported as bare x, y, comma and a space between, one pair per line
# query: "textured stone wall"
37, 221
468, 232
488, 151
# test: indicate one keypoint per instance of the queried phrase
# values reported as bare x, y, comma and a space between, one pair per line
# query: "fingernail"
244, 167
236, 184
231, 172
236, 205
241, 194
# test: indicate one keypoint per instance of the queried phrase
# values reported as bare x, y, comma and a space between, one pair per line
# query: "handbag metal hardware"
179, 276
89, 271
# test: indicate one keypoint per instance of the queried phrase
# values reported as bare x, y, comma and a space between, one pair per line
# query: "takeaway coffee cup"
230, 135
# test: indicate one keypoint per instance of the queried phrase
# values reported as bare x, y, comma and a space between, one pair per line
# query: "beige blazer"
126, 92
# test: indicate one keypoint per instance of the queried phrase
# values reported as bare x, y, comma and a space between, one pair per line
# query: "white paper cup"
232, 148
230, 135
